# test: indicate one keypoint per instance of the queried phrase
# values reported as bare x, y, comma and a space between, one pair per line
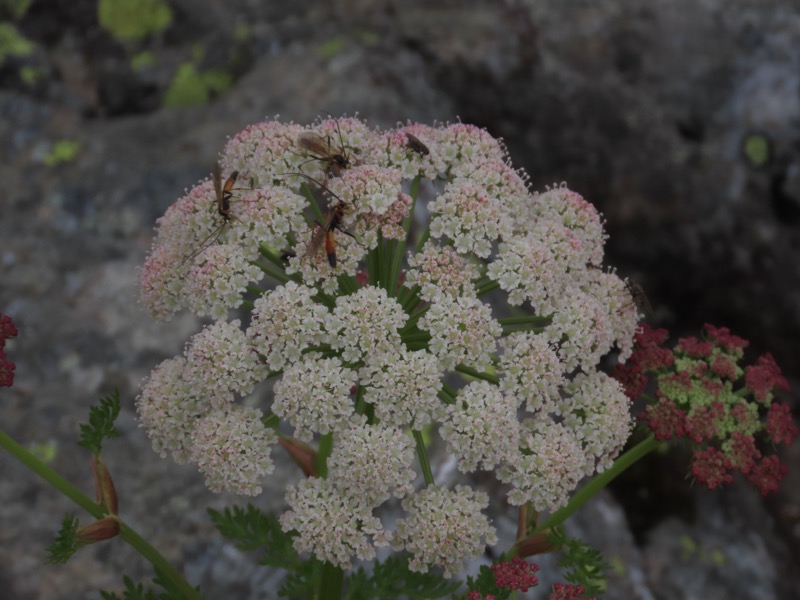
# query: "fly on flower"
414, 144
223, 192
638, 296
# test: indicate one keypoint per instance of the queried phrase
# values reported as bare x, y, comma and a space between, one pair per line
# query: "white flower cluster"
359, 327
443, 527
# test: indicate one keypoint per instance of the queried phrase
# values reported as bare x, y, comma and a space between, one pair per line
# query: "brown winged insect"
414, 144
638, 296
319, 148
222, 196
337, 209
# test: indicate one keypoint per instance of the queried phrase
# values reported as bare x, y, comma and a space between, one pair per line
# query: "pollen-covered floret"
232, 448
527, 269
264, 151
507, 186
441, 270
531, 371
330, 524
623, 313
468, 215
481, 427
443, 528
285, 322
403, 387
569, 208
461, 143
268, 216
371, 461
314, 395
370, 188
397, 151
598, 413
552, 464
217, 279
221, 359
581, 330
365, 324
168, 408
462, 331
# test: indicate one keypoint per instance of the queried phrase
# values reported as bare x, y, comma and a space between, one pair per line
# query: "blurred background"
678, 119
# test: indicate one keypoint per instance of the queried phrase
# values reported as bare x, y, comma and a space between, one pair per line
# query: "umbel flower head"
728, 414
393, 280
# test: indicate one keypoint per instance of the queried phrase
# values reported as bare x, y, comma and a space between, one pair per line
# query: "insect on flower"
320, 148
638, 296
414, 144
222, 196
337, 209
336, 213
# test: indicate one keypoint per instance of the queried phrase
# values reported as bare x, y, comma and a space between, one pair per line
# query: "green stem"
422, 454
486, 288
633, 455
525, 320
126, 533
490, 377
330, 582
323, 452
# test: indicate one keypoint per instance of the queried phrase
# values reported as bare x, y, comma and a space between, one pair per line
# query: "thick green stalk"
330, 582
139, 544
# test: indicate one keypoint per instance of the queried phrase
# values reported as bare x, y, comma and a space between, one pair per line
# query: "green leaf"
134, 20
63, 151
217, 81
486, 583
66, 542
582, 564
187, 88
392, 579
15, 8
13, 43
143, 60
251, 529
101, 424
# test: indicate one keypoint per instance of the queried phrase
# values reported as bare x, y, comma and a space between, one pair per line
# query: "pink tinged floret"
742, 452
724, 337
570, 208
567, 591
711, 467
260, 151
763, 377
701, 424
695, 347
440, 270
648, 355
515, 574
473, 595
7, 368
725, 367
767, 474
780, 426
665, 419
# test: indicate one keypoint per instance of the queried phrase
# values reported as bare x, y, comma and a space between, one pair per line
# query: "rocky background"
679, 119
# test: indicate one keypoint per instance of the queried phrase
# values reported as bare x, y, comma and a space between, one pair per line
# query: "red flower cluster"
7, 330
648, 356
565, 591
516, 574
702, 396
